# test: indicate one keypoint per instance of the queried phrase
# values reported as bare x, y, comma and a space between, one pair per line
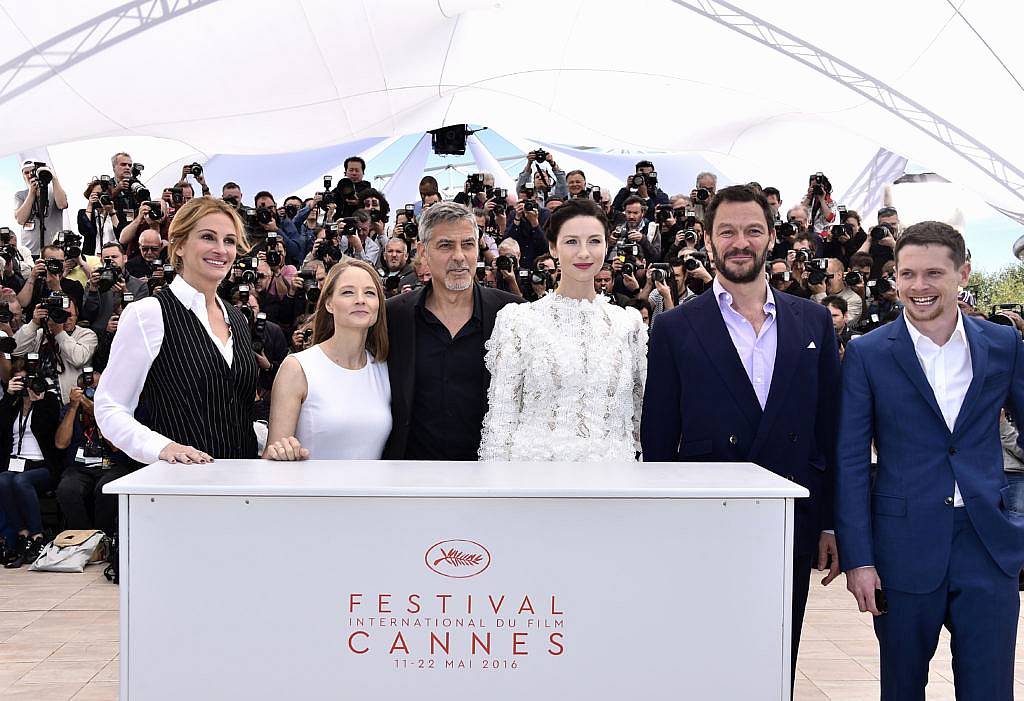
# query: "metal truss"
50, 58
949, 135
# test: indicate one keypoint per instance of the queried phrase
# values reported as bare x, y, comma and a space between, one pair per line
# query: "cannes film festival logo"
458, 559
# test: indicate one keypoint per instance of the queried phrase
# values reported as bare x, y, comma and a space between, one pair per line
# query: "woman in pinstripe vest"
185, 354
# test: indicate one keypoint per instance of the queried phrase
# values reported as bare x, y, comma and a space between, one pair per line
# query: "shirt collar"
188, 295
959, 333
428, 289
725, 298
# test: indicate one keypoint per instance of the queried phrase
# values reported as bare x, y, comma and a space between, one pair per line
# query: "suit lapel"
788, 350
712, 334
905, 355
404, 356
979, 345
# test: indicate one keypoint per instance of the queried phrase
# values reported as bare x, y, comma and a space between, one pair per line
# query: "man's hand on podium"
828, 556
862, 582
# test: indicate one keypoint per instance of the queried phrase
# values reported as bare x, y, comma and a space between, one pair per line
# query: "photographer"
547, 178
90, 462
698, 270
705, 187
639, 230
269, 344
376, 205
349, 188
840, 321
667, 286
883, 304
152, 217
359, 237
883, 239
77, 266
305, 291
326, 246
107, 285
507, 267
818, 201
39, 209
542, 279
836, 286
397, 269
231, 193
150, 258
47, 276
774, 198
64, 348
799, 217
643, 184
265, 221
17, 261
193, 170
29, 461
604, 284
525, 228
275, 275
99, 222
576, 185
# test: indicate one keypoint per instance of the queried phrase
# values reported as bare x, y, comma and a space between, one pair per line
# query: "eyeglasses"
150, 249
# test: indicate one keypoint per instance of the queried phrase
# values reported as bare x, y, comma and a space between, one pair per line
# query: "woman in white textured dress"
333, 401
567, 371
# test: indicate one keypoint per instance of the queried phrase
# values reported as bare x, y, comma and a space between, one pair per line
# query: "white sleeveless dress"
347, 413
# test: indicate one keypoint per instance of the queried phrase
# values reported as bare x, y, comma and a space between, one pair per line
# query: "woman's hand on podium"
176, 452
286, 449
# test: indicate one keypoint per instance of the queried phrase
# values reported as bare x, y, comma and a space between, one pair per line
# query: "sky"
989, 234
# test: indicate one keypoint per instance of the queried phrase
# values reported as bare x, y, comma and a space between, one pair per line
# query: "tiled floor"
59, 632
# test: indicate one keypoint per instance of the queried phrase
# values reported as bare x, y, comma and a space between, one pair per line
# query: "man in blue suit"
750, 374
932, 532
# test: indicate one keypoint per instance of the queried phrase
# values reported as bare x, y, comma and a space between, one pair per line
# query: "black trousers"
81, 498
802, 566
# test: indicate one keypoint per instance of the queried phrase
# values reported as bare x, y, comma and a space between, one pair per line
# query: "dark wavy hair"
574, 208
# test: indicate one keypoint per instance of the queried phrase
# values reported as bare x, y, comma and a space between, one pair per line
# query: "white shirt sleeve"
140, 334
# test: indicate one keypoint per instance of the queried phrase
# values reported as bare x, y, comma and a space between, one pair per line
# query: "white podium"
384, 580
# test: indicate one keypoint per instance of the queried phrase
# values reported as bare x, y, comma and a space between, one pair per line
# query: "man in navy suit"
750, 374
932, 531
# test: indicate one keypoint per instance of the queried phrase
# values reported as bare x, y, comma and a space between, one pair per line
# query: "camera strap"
22, 426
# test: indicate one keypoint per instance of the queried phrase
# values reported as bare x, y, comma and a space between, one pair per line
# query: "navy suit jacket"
903, 523
699, 404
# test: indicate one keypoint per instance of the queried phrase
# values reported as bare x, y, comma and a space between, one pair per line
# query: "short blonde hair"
187, 217
323, 320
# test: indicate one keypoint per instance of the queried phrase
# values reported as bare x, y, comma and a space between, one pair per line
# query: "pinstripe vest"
191, 394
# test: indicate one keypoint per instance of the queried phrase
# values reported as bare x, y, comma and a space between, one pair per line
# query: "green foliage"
1003, 287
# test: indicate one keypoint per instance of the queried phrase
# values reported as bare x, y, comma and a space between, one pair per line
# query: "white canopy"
765, 91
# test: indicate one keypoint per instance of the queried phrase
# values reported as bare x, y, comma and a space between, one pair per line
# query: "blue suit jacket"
903, 524
699, 404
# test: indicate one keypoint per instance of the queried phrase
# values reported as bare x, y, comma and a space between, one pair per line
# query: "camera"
853, 278
880, 286
649, 179
291, 210
695, 260
258, 331
529, 206
140, 193
349, 226
329, 247
481, 270
506, 263
195, 170
818, 271
243, 294
274, 256
264, 215
310, 287
662, 213
660, 272
702, 195
71, 244
540, 156
307, 335
881, 231
784, 276
801, 255
392, 282
475, 183
54, 266
819, 184
156, 212
544, 277
42, 173
411, 230
177, 196
85, 381
247, 267
109, 275
56, 306
500, 196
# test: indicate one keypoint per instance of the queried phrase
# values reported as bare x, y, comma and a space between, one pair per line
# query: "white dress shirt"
140, 334
756, 349
949, 372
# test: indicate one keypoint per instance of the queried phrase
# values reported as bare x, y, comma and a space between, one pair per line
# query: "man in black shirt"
437, 335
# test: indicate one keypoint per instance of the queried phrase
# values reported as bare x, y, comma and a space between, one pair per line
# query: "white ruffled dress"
567, 382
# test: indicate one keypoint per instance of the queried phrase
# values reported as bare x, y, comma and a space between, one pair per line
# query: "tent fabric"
767, 92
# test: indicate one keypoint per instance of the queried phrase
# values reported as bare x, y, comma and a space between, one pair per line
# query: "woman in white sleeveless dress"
567, 371
333, 401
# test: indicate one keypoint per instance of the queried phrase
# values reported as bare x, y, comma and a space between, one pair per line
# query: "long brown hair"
323, 320
187, 217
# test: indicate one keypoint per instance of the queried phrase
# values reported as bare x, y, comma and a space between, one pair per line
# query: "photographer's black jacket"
44, 421
402, 331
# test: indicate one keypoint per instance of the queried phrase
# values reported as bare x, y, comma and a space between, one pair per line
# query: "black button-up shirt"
450, 397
